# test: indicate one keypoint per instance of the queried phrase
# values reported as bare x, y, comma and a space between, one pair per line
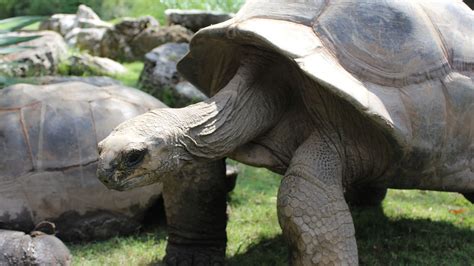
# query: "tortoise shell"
48, 147
408, 66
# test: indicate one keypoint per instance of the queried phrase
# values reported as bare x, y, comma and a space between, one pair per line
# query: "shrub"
9, 8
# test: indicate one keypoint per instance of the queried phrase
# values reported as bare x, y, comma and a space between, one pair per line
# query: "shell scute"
389, 43
14, 158
59, 134
105, 113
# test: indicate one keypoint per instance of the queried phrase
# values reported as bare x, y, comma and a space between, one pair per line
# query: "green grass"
410, 228
133, 73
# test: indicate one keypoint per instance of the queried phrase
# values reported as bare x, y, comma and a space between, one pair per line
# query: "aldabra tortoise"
48, 159
335, 95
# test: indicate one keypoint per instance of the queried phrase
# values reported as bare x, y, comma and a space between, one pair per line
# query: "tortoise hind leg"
312, 212
195, 204
469, 197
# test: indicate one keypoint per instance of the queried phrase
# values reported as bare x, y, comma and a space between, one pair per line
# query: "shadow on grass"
382, 241
268, 251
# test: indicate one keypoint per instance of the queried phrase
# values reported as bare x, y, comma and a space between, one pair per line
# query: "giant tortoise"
48, 159
332, 94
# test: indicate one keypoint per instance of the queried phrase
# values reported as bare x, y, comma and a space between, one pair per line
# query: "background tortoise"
48, 161
332, 94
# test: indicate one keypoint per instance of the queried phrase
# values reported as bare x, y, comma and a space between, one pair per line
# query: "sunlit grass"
411, 227
130, 78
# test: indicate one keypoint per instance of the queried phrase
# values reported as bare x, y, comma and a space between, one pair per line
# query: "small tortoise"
40, 247
335, 95
48, 161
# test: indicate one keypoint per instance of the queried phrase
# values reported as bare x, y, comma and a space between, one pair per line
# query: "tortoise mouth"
112, 181
131, 183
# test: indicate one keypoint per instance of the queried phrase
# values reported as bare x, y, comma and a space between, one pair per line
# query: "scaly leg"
312, 212
195, 204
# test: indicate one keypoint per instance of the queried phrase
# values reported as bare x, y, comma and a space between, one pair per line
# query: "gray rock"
161, 79
42, 58
187, 94
90, 23
131, 39
195, 19
65, 23
85, 12
117, 42
61, 23
92, 65
153, 37
86, 39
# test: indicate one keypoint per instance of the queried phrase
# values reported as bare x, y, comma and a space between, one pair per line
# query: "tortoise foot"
194, 256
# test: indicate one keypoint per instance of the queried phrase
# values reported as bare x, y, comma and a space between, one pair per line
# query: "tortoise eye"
135, 157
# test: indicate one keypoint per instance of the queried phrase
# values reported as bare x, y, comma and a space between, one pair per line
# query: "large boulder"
195, 19
131, 39
60, 23
85, 64
41, 58
83, 30
156, 36
86, 39
116, 41
161, 79
48, 162
65, 23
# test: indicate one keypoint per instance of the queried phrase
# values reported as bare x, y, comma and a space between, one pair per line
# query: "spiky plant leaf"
10, 40
16, 23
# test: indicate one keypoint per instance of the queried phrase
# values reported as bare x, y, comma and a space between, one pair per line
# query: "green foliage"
17, 23
130, 78
112, 9
13, 24
8, 25
9, 8
157, 8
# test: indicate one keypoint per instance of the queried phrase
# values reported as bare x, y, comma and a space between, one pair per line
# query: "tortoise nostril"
99, 149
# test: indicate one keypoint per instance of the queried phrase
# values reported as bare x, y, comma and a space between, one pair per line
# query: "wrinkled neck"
250, 104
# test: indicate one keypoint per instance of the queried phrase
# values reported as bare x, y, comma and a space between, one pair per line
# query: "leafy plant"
13, 24
6, 42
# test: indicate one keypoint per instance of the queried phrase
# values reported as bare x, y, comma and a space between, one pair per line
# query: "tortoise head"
138, 153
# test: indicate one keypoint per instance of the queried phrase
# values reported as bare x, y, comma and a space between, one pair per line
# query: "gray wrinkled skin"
334, 95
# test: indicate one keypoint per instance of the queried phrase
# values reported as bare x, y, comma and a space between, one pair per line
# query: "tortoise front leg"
195, 203
312, 212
